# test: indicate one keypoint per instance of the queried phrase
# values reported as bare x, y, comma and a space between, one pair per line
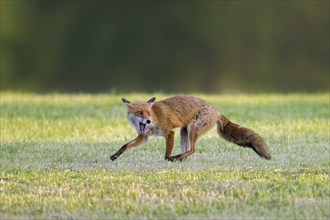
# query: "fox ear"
151, 101
125, 101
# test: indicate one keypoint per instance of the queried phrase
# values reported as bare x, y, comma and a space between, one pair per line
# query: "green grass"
55, 161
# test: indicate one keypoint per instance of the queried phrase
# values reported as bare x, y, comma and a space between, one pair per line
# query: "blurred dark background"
165, 46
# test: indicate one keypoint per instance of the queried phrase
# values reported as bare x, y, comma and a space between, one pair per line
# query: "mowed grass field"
55, 162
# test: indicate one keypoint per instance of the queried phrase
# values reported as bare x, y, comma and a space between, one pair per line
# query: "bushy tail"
242, 136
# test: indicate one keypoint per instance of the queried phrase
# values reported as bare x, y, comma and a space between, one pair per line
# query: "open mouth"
142, 127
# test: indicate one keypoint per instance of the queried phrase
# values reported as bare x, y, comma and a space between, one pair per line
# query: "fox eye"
139, 112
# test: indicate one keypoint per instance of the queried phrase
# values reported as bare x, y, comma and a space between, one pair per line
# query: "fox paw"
113, 157
174, 158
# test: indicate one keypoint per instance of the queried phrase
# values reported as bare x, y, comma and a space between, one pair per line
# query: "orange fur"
194, 116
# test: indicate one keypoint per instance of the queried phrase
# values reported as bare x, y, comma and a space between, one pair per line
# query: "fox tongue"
142, 127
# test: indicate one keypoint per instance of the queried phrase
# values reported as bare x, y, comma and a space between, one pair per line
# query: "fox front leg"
141, 139
169, 145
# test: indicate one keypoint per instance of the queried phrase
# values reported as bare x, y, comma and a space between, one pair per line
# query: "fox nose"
148, 121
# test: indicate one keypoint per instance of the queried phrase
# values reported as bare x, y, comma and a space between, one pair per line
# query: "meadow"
55, 161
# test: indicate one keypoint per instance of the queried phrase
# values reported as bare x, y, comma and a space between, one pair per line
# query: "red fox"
194, 116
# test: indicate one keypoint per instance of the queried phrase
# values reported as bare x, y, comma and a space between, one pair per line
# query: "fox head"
139, 114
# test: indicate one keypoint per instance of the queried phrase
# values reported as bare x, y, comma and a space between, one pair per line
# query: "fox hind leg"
183, 144
202, 123
190, 144
192, 138
184, 140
